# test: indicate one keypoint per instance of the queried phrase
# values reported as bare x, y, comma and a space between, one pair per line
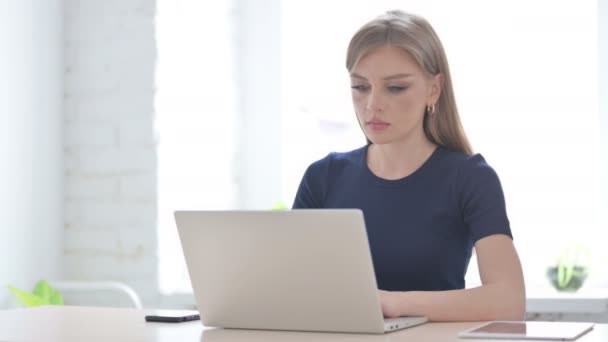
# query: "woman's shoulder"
336, 162
464, 160
339, 158
469, 168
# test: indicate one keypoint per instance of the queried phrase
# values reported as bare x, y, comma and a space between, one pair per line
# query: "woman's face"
390, 92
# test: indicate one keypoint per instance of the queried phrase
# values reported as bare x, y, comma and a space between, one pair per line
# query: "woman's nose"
375, 103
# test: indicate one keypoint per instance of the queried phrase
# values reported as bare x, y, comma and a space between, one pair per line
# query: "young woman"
427, 199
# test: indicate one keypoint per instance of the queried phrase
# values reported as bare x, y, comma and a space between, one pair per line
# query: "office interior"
116, 113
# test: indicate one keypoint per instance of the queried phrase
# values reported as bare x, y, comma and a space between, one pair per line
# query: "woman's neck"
398, 160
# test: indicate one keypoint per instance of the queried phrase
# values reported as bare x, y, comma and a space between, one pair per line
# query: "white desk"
71, 323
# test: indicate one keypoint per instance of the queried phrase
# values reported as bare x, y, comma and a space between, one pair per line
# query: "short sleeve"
311, 192
481, 199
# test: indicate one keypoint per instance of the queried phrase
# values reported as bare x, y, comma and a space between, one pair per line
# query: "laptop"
305, 270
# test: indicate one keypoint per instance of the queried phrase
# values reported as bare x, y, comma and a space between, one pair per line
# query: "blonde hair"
416, 36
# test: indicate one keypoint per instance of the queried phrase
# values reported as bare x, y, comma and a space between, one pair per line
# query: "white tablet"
555, 331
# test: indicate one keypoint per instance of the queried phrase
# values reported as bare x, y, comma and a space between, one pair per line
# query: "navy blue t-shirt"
421, 228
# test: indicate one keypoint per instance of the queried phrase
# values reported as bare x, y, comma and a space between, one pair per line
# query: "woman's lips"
377, 125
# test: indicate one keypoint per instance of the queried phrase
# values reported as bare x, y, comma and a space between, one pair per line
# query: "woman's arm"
501, 297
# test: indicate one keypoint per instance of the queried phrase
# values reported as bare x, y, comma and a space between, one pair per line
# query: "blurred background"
115, 113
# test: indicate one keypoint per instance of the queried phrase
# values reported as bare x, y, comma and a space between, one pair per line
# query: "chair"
65, 287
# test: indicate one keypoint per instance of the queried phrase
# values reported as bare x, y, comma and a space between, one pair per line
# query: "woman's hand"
389, 304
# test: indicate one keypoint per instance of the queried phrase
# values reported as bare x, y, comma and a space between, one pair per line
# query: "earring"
430, 109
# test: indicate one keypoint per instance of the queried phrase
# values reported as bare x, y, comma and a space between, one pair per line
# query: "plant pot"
569, 283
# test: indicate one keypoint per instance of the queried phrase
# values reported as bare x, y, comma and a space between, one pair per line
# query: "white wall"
31, 153
603, 105
110, 147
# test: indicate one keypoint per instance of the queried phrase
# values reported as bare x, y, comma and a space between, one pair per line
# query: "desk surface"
71, 323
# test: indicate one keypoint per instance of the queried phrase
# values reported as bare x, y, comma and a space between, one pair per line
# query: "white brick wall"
110, 204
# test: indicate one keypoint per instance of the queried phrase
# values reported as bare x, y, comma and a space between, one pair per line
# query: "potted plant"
280, 205
571, 269
43, 294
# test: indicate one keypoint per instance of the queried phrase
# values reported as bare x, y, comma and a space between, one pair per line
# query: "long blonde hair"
416, 36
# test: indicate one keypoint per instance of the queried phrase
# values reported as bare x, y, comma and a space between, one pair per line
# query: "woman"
427, 200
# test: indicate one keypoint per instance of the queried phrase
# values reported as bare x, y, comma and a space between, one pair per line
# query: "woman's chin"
379, 140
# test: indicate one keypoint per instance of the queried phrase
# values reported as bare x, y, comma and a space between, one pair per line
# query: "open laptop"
307, 270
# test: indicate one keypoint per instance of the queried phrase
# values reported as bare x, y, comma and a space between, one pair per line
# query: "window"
196, 108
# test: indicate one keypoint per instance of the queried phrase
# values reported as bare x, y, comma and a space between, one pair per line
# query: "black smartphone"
172, 316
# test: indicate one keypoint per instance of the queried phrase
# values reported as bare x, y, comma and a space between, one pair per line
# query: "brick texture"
110, 146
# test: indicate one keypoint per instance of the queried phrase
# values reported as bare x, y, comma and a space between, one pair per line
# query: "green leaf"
26, 298
561, 276
43, 291
279, 206
56, 298
49, 295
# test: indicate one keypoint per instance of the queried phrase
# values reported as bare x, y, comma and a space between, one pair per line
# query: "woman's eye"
396, 89
359, 87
